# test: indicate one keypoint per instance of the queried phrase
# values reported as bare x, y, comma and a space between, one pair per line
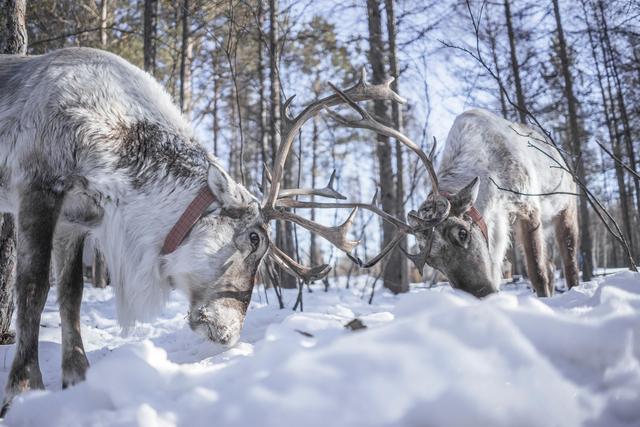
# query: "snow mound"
433, 357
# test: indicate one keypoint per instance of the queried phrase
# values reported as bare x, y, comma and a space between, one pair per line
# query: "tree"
13, 40
186, 57
576, 145
397, 259
392, 271
150, 34
104, 8
515, 66
284, 232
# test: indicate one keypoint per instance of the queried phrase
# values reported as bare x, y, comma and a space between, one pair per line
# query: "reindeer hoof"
74, 369
5, 409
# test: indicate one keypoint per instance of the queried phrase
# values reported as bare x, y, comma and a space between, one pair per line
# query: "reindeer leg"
533, 244
70, 285
36, 220
566, 229
551, 266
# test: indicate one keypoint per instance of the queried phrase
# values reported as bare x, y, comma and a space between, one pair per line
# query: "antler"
441, 205
276, 200
361, 91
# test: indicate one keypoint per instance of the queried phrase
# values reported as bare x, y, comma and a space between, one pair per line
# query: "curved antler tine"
419, 259
363, 77
306, 274
286, 107
266, 178
433, 148
374, 199
328, 191
375, 260
331, 179
267, 172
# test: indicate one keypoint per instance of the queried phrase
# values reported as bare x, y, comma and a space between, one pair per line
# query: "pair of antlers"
277, 200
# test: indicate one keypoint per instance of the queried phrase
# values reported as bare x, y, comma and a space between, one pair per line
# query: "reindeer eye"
254, 239
463, 234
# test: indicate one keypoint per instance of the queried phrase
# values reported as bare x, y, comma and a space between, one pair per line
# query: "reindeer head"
452, 238
217, 263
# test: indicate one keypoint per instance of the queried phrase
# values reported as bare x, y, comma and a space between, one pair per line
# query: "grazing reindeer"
462, 228
90, 144
472, 216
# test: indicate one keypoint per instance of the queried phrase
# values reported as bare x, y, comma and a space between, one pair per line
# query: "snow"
434, 357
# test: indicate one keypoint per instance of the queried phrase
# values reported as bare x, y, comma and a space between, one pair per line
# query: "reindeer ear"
465, 198
227, 191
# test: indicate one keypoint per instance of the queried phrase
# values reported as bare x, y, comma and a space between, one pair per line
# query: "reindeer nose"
220, 321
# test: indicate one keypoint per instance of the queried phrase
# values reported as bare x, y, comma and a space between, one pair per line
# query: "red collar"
189, 217
476, 217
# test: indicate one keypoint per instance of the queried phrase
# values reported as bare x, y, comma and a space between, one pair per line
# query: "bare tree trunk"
574, 134
104, 8
494, 56
150, 34
392, 279
186, 55
262, 108
284, 232
233, 125
397, 262
13, 40
175, 41
216, 98
515, 66
14, 33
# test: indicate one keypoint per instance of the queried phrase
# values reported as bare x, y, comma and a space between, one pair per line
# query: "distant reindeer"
90, 144
466, 220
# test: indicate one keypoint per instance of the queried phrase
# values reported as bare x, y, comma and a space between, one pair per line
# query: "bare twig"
618, 161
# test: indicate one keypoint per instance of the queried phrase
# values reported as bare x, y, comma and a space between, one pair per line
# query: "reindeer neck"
156, 178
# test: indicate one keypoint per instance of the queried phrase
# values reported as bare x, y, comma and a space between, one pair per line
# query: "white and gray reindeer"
494, 174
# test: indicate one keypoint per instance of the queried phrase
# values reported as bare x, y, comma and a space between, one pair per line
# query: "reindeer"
495, 174
92, 146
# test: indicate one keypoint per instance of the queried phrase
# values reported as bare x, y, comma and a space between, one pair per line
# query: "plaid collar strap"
189, 217
476, 217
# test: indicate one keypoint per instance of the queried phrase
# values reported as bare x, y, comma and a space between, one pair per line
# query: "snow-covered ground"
433, 357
